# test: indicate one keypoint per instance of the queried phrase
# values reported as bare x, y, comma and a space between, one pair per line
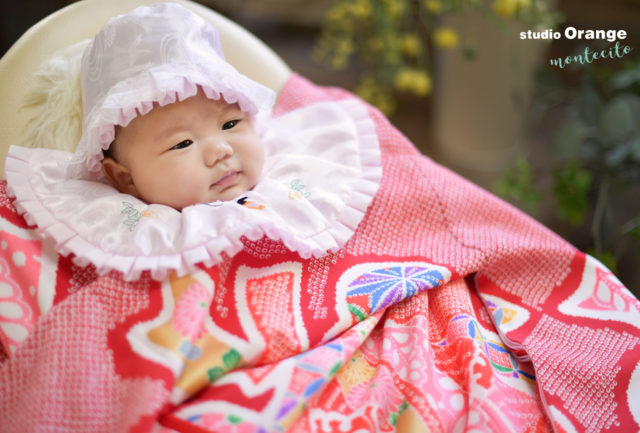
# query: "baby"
194, 151
443, 296
169, 124
195, 143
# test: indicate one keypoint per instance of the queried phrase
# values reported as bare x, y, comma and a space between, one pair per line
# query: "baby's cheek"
255, 177
259, 163
174, 191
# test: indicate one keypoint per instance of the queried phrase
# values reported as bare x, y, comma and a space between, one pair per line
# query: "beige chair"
82, 20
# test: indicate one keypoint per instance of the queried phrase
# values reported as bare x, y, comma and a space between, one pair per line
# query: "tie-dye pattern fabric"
447, 311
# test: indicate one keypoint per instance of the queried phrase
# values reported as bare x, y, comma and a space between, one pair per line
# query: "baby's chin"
231, 193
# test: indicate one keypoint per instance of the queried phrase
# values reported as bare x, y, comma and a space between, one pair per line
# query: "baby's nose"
216, 151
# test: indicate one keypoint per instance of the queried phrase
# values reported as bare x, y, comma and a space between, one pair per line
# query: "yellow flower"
410, 45
422, 84
345, 47
392, 55
370, 91
394, 8
412, 80
356, 370
361, 9
339, 62
445, 37
366, 89
403, 79
508, 8
433, 6
337, 12
504, 8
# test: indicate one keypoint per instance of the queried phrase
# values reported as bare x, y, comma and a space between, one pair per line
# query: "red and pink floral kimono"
446, 311
358, 287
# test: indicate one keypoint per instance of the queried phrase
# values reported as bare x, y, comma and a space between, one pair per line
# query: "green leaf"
393, 419
635, 148
335, 368
234, 419
606, 257
626, 78
231, 359
632, 227
404, 406
517, 184
357, 311
568, 140
214, 373
617, 154
469, 52
571, 186
589, 104
617, 119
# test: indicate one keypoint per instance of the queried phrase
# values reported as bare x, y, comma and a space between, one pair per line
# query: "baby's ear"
119, 176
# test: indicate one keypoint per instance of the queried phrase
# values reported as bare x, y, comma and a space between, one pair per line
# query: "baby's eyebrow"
166, 131
226, 108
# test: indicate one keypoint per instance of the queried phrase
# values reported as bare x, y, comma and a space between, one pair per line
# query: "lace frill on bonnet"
321, 172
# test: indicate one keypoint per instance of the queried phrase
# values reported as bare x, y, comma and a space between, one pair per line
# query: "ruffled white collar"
322, 170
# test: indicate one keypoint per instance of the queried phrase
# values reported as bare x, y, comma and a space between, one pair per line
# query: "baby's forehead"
189, 110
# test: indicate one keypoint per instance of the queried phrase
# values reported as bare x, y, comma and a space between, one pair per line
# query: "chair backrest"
82, 20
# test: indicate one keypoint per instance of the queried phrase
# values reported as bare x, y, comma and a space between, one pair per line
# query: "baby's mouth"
229, 178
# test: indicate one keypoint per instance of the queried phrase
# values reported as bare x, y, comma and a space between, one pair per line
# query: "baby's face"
194, 151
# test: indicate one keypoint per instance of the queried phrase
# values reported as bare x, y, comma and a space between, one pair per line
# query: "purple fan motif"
387, 286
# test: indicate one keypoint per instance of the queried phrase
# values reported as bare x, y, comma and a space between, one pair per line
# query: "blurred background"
562, 144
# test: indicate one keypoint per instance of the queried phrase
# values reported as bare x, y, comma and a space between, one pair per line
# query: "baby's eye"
182, 144
230, 124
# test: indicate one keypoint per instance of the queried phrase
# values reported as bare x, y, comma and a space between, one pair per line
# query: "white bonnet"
159, 53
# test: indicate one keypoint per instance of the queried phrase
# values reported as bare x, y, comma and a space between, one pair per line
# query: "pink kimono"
420, 304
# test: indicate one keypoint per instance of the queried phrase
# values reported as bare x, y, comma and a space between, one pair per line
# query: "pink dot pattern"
580, 379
